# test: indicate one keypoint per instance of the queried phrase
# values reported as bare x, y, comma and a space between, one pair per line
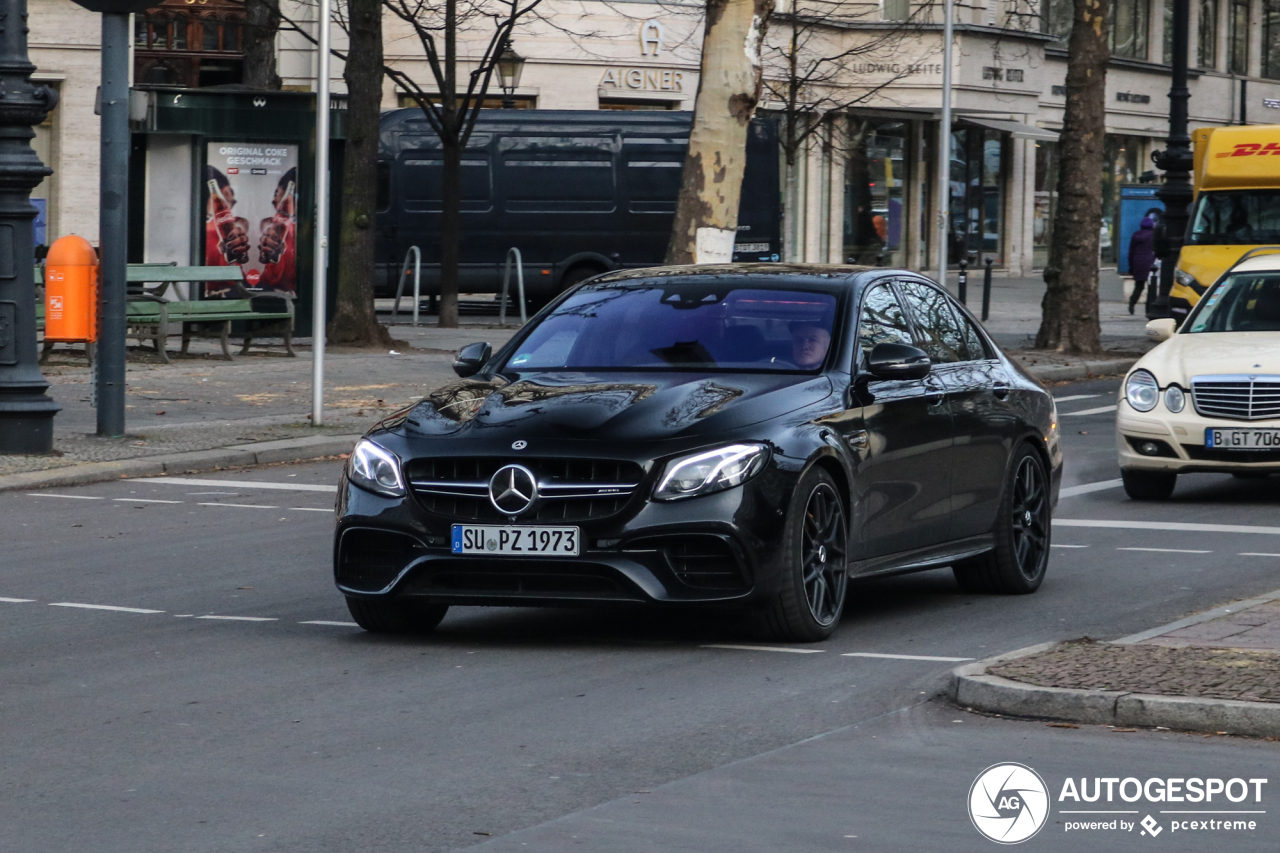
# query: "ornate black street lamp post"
26, 412
1176, 161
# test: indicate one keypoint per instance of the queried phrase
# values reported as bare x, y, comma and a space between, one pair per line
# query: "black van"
578, 192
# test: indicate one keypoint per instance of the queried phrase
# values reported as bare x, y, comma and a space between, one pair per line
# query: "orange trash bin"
71, 290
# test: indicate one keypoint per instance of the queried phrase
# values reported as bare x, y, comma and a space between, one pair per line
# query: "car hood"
1208, 353
610, 406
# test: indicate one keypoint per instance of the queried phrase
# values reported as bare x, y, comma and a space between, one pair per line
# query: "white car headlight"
710, 471
1186, 279
1141, 390
1174, 399
376, 470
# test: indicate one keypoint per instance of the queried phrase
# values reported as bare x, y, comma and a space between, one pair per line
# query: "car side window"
944, 337
973, 341
882, 320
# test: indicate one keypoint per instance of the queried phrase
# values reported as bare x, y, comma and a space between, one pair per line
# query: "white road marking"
763, 649
242, 506
901, 657
241, 484
1075, 397
1056, 545
325, 622
73, 497
16, 600
104, 607
1086, 488
1167, 550
1096, 411
145, 501
242, 618
309, 509
1188, 527
1257, 554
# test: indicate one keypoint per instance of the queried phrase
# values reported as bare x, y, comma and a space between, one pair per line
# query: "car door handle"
935, 394
1001, 390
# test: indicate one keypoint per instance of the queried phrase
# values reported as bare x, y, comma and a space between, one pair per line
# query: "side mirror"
898, 361
1162, 329
471, 358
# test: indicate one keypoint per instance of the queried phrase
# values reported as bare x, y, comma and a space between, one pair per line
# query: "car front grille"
1237, 397
569, 489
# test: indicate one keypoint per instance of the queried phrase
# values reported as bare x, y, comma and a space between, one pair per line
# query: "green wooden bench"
151, 317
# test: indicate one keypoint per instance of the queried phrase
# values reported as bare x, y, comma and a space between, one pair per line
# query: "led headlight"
710, 471
1174, 399
1186, 279
1141, 390
375, 470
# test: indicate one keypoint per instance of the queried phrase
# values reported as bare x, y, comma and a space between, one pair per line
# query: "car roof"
757, 275
1269, 262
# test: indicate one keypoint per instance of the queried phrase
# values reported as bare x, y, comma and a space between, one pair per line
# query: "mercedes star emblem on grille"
513, 489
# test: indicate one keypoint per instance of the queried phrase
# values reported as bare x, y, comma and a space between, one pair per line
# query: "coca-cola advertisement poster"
250, 194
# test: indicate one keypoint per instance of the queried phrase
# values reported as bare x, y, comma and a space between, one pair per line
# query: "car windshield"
1236, 218
663, 326
1244, 302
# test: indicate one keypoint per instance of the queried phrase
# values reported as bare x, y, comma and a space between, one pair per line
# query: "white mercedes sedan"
1208, 397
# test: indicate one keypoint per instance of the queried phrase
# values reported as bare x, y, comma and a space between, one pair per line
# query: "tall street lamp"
1176, 161
26, 412
510, 66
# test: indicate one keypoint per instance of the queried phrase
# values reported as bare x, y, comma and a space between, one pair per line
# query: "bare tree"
452, 105
729, 83
813, 71
262, 23
1070, 308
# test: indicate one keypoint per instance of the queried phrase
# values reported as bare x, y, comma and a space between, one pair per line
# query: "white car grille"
1238, 397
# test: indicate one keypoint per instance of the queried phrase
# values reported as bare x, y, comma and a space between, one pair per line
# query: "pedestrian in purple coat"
1142, 254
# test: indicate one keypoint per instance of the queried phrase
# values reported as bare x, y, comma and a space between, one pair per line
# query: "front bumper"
720, 548
1181, 437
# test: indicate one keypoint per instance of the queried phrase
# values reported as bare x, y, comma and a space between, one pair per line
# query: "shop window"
1271, 39
1129, 25
1124, 160
1238, 55
1207, 54
977, 189
1167, 52
875, 193
1056, 18
1046, 202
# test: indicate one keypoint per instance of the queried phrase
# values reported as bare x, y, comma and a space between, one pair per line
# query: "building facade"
861, 183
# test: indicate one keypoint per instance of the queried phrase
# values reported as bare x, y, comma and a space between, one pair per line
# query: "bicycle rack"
417, 282
506, 280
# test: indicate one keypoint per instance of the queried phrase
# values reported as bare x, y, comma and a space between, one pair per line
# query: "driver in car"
809, 342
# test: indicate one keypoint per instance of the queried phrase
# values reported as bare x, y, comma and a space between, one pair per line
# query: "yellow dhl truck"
1236, 207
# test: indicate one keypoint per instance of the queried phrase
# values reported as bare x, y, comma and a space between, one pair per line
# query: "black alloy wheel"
811, 601
1017, 563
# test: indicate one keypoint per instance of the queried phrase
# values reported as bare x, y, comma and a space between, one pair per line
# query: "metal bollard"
964, 281
986, 290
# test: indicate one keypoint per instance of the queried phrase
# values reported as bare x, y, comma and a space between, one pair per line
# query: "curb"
239, 456
1079, 370
970, 687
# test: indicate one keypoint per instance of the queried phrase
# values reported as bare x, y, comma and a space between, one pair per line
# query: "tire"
1017, 563
572, 277
1148, 485
395, 616
815, 576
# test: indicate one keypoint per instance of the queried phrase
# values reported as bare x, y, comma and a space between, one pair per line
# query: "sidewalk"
176, 412
1217, 671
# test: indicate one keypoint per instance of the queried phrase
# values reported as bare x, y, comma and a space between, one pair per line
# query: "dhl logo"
1248, 149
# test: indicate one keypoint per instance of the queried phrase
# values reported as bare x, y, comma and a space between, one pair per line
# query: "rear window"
657, 327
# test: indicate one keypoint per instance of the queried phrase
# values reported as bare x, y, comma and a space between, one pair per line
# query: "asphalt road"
223, 701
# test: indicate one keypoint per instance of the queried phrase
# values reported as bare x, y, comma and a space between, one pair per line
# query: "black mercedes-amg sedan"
746, 435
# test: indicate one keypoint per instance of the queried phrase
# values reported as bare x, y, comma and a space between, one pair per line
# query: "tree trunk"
449, 235
354, 322
262, 22
1070, 308
728, 90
